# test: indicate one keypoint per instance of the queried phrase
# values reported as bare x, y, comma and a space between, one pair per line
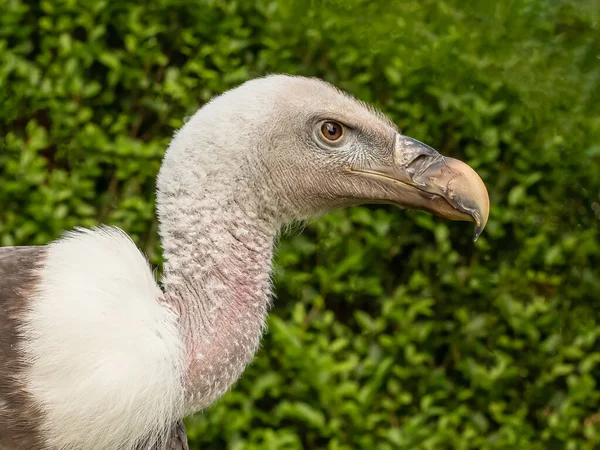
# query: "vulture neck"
218, 242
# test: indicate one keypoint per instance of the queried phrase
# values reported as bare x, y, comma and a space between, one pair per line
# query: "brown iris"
332, 131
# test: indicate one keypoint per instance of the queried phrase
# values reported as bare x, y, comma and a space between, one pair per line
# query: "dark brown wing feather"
18, 280
178, 440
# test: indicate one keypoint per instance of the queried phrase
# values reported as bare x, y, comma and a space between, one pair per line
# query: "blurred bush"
391, 329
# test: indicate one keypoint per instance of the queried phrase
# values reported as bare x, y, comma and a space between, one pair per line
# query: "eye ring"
332, 131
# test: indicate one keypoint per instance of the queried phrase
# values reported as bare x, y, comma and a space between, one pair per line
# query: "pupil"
332, 131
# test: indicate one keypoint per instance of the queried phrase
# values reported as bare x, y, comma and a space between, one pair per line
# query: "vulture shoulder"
90, 354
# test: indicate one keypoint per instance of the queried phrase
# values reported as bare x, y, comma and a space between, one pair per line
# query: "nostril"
414, 155
421, 163
418, 161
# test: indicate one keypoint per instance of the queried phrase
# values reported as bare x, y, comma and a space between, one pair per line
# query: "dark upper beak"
424, 179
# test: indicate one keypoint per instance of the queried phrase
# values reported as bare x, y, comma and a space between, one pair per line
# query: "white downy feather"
106, 359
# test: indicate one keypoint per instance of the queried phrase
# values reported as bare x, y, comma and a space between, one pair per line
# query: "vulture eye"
332, 131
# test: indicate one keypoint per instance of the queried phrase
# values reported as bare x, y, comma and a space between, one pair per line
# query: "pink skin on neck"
222, 296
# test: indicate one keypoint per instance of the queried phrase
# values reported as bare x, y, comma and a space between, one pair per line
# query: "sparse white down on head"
97, 356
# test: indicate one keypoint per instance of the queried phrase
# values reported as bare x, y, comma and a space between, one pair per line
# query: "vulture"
95, 354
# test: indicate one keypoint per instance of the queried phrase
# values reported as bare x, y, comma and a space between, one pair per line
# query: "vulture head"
95, 354
302, 147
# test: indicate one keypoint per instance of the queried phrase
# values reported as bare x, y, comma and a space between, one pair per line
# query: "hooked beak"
421, 178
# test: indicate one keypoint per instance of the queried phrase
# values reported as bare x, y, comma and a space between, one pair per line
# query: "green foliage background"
391, 329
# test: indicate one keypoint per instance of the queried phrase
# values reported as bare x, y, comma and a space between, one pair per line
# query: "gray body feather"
18, 416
